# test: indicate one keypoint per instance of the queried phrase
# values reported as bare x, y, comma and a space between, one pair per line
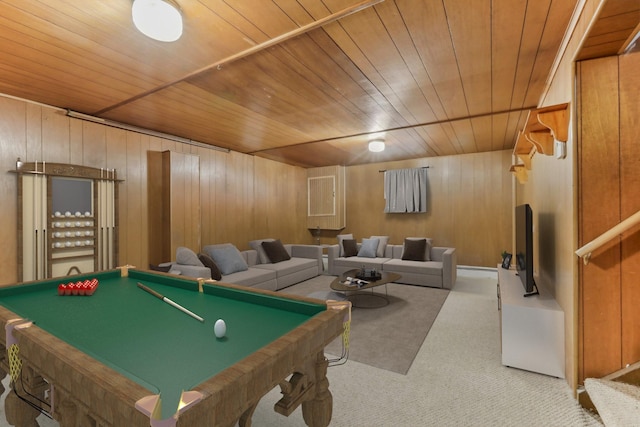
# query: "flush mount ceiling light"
376, 145
159, 19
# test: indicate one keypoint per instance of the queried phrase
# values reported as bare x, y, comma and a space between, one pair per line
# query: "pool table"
123, 357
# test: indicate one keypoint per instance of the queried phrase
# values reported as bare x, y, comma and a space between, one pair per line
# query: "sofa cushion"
208, 262
414, 250
289, 266
432, 268
343, 264
368, 248
275, 251
253, 277
186, 256
350, 247
257, 246
227, 257
382, 245
341, 237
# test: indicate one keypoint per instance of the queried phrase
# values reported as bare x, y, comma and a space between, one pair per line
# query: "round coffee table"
354, 292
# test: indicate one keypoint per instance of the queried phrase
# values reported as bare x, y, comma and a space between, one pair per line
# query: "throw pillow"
427, 248
350, 247
382, 246
162, 268
257, 246
414, 249
368, 248
341, 237
186, 256
275, 251
227, 257
208, 262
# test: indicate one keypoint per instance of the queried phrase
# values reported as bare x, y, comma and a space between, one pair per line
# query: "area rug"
388, 337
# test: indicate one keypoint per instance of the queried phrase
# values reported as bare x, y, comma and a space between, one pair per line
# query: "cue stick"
168, 301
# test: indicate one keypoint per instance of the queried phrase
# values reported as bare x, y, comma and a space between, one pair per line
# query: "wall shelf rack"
544, 128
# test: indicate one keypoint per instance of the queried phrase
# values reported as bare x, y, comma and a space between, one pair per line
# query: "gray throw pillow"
414, 249
350, 247
275, 251
186, 256
382, 246
227, 257
368, 248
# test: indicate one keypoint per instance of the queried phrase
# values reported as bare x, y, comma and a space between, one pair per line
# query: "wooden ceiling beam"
252, 50
397, 128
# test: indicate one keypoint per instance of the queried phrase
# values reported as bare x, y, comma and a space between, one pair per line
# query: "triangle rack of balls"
82, 287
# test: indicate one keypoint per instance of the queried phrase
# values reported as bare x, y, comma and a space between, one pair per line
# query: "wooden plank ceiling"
305, 82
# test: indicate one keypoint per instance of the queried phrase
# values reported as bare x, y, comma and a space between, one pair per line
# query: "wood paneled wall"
469, 205
609, 192
173, 204
242, 197
551, 190
245, 197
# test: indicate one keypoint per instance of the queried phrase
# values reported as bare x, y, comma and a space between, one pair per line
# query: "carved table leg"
245, 419
30, 385
317, 412
18, 412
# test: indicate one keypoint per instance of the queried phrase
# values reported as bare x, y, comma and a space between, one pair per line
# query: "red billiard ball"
69, 289
62, 288
81, 289
94, 281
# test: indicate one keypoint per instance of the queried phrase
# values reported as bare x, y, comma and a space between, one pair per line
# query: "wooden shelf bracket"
543, 128
557, 121
520, 171
542, 140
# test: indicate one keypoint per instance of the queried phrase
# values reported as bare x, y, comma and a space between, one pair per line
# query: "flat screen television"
524, 248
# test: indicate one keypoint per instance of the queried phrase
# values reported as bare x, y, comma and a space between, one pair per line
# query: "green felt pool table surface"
151, 342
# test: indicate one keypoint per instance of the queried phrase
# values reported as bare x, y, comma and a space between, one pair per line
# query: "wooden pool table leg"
245, 419
317, 411
17, 411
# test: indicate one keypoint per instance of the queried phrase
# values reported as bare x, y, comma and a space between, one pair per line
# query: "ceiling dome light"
159, 19
376, 146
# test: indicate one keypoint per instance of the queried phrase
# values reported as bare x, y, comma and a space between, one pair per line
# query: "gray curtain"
405, 190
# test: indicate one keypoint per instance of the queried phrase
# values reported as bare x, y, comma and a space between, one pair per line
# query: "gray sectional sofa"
248, 268
439, 271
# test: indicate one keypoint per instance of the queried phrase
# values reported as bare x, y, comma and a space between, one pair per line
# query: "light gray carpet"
388, 337
455, 380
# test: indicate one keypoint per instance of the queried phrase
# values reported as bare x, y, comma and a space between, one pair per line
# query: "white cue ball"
220, 328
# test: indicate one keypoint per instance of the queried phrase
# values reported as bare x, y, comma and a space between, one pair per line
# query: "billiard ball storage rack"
67, 219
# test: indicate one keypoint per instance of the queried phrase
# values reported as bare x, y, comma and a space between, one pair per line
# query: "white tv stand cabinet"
532, 327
